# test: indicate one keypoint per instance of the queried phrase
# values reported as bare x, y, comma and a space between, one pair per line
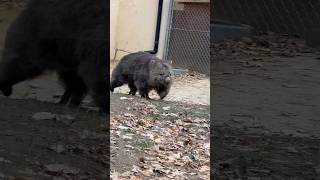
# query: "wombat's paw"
63, 101
133, 93
6, 90
146, 97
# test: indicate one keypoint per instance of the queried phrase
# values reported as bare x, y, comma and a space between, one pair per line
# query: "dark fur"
142, 72
66, 36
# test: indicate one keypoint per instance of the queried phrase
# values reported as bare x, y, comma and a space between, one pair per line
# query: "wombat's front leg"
144, 93
133, 89
145, 96
75, 89
6, 90
163, 93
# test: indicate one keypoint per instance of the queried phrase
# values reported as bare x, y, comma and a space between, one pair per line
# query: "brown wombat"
143, 72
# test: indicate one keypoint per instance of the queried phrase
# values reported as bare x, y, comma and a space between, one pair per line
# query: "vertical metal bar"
168, 32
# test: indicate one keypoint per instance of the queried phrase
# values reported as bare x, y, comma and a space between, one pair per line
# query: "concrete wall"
114, 9
133, 25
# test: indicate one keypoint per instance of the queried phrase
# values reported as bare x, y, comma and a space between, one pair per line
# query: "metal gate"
189, 43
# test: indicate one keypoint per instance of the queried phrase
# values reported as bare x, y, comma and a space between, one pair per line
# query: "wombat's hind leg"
133, 89
143, 88
65, 97
144, 94
100, 96
75, 88
95, 78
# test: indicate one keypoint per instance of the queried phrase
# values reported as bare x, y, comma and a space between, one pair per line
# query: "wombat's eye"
161, 74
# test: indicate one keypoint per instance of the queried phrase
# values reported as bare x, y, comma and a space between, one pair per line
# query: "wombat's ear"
153, 61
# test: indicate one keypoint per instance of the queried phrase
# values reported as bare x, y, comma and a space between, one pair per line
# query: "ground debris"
172, 149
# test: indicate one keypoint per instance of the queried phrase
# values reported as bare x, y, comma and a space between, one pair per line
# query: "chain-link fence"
190, 37
293, 17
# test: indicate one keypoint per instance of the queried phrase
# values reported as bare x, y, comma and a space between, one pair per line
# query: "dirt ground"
266, 109
41, 140
158, 139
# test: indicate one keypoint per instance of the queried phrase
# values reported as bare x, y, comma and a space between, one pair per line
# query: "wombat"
143, 72
68, 37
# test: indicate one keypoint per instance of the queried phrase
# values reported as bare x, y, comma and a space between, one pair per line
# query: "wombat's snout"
168, 79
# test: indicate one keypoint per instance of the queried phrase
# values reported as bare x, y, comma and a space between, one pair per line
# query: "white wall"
134, 25
114, 9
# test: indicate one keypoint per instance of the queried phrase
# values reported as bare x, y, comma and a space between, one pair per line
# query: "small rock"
194, 155
292, 150
44, 116
123, 127
57, 148
252, 64
3, 160
228, 72
55, 169
68, 117
253, 178
21, 178
126, 137
142, 160
166, 108
125, 98
129, 146
128, 115
33, 86
289, 85
246, 40
9, 133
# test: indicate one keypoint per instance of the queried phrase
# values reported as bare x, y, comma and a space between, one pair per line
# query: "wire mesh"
292, 17
190, 37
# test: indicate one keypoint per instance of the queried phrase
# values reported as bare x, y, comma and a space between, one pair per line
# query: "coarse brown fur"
142, 72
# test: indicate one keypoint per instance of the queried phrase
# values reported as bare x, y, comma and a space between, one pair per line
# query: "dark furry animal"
66, 36
143, 72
